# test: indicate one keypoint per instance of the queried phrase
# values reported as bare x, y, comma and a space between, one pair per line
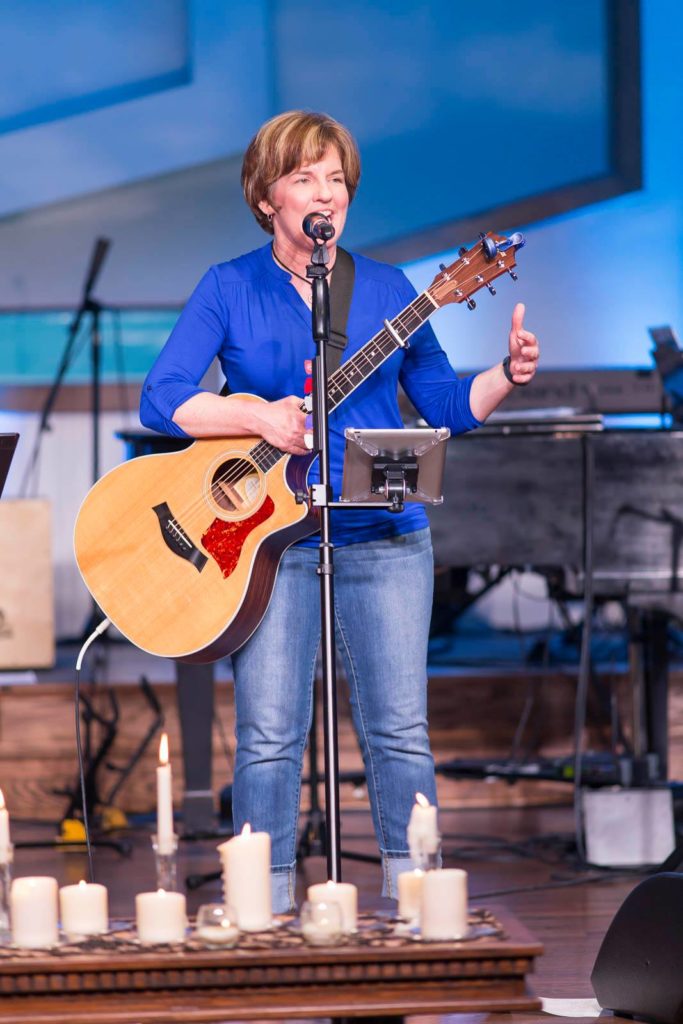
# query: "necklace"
289, 270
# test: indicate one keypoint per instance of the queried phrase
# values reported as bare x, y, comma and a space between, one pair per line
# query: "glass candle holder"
216, 926
321, 923
5, 887
427, 855
166, 862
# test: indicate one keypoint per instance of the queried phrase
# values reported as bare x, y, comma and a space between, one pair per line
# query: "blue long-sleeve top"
247, 313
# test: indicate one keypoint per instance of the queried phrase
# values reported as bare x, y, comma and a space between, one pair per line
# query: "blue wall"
593, 280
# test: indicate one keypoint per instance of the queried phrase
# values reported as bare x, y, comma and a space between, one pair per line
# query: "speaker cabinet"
639, 969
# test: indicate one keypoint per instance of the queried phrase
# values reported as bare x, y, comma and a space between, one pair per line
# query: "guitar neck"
347, 377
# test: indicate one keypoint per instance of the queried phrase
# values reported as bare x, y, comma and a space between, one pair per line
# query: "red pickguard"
224, 541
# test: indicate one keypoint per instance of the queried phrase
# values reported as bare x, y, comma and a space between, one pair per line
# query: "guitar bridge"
176, 539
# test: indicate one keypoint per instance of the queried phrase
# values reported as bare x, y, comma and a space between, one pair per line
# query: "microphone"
317, 226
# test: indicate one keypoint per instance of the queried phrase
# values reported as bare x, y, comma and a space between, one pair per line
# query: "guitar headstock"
476, 268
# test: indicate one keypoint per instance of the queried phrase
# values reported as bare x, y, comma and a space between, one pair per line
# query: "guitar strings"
422, 304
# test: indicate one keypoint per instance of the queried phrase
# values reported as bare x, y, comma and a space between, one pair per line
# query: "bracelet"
506, 371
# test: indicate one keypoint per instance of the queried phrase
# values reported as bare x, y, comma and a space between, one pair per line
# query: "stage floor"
502, 849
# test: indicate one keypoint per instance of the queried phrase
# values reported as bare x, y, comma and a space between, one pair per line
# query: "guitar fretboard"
347, 377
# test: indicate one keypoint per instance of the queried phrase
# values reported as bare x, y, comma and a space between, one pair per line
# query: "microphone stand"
321, 497
87, 305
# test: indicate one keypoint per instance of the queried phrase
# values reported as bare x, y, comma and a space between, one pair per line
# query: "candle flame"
163, 749
2, 801
422, 800
246, 831
82, 884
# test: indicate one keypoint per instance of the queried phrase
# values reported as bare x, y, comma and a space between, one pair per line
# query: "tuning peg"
512, 274
490, 288
471, 304
442, 268
489, 247
462, 250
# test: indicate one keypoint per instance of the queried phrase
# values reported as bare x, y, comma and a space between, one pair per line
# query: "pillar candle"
84, 909
160, 916
246, 872
343, 893
33, 912
165, 836
443, 908
5, 843
423, 832
410, 894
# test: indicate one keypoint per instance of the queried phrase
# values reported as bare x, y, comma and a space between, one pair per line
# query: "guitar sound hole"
236, 486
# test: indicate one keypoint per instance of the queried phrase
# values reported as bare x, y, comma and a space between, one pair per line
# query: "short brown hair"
289, 141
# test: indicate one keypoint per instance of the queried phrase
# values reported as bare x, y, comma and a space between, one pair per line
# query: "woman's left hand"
524, 350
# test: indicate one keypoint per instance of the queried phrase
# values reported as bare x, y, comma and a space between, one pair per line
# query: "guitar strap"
341, 292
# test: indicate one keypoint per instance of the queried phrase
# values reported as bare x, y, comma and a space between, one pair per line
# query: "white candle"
443, 909
84, 909
246, 873
165, 836
423, 832
160, 916
33, 912
5, 844
343, 893
410, 894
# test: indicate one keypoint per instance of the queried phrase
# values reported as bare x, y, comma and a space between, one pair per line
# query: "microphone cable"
104, 625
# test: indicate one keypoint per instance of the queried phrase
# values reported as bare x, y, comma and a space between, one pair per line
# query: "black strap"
341, 292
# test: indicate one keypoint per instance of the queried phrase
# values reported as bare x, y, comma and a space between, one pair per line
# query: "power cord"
104, 625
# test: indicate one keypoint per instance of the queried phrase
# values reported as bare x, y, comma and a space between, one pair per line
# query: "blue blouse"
248, 315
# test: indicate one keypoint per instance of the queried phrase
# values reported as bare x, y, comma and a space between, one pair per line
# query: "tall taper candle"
5, 845
423, 832
165, 836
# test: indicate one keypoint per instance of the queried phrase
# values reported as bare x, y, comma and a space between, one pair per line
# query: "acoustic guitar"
181, 550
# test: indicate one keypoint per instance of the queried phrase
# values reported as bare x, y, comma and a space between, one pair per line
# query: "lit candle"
246, 873
33, 911
410, 894
443, 909
343, 893
160, 917
423, 832
84, 909
165, 836
5, 844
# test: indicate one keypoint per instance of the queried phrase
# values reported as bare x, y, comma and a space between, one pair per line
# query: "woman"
253, 313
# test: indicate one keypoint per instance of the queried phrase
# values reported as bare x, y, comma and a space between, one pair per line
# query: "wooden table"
379, 974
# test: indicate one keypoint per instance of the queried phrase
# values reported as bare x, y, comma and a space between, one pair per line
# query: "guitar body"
181, 551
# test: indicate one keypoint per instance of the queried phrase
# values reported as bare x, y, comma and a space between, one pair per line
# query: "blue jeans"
383, 600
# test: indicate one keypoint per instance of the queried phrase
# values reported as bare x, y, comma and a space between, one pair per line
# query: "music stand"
394, 465
8, 444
